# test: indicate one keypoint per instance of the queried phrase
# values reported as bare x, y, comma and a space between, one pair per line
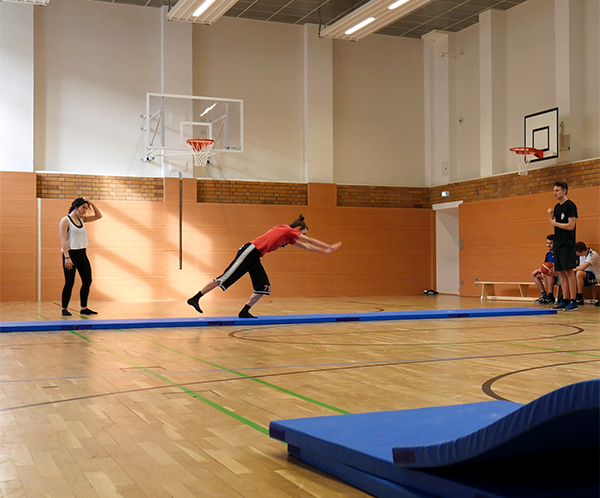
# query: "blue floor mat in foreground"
548, 448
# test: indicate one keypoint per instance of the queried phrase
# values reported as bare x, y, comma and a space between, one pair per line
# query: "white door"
447, 246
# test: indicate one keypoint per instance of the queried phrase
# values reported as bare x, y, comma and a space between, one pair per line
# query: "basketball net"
524, 156
201, 148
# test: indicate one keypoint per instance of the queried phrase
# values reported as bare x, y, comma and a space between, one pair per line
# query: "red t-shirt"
275, 238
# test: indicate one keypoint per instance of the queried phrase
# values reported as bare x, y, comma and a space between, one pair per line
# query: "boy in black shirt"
564, 218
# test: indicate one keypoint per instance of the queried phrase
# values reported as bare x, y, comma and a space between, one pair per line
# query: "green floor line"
186, 390
241, 374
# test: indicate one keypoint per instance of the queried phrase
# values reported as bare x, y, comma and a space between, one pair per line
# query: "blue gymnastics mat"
548, 448
223, 321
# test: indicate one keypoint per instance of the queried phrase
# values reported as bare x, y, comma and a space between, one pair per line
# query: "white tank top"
77, 235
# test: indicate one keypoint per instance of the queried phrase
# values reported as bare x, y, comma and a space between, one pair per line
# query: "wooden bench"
488, 291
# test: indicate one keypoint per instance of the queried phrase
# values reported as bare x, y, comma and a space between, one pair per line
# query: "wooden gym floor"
185, 412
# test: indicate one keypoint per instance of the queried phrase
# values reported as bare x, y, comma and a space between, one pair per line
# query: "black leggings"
81, 264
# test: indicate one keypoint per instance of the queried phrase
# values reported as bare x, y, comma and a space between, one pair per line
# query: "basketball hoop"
201, 148
524, 156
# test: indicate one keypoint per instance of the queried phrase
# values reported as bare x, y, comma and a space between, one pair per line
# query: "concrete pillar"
492, 90
568, 41
318, 107
440, 153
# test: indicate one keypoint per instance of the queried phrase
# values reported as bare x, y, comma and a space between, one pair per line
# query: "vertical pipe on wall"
305, 109
38, 249
180, 222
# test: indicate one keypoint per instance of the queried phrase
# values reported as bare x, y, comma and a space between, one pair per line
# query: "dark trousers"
81, 264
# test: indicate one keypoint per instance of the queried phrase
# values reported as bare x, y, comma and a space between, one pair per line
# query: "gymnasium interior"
414, 361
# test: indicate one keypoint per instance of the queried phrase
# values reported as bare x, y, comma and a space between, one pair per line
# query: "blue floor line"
225, 321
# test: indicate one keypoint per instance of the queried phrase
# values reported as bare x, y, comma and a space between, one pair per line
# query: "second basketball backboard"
541, 132
173, 119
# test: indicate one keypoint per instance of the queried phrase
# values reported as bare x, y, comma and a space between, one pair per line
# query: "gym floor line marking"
233, 379
185, 389
229, 412
332, 367
237, 372
553, 350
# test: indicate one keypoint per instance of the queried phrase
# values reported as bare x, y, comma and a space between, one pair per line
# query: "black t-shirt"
562, 213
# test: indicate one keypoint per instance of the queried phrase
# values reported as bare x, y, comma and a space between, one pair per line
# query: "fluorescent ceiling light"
202, 8
383, 12
397, 4
200, 11
30, 2
360, 25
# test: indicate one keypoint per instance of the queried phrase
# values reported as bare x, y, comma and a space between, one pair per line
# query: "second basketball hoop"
201, 148
524, 156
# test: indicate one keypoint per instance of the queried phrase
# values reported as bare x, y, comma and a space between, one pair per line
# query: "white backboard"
173, 119
541, 132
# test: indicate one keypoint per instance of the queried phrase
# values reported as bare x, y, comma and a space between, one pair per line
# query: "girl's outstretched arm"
316, 245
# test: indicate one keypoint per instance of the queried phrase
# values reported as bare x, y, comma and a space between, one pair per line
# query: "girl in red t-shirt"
248, 260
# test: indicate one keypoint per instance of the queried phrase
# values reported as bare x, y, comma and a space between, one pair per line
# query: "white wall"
531, 83
530, 77
378, 111
16, 87
261, 63
94, 63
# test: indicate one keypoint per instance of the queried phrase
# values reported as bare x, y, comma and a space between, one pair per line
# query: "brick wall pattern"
114, 188
232, 192
577, 175
375, 196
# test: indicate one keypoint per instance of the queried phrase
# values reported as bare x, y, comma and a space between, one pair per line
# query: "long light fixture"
200, 11
30, 2
371, 17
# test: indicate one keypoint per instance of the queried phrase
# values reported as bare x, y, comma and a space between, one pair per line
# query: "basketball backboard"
173, 119
541, 132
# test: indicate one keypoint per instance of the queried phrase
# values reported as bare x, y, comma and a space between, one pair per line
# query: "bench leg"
485, 291
524, 289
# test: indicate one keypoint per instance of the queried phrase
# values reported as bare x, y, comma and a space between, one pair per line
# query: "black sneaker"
579, 301
561, 305
597, 303
542, 300
87, 311
66, 312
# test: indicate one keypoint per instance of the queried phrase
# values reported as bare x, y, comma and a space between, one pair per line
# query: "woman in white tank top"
74, 241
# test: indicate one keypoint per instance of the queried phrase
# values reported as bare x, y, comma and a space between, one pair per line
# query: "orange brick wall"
375, 196
135, 254
581, 174
228, 192
577, 175
60, 186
